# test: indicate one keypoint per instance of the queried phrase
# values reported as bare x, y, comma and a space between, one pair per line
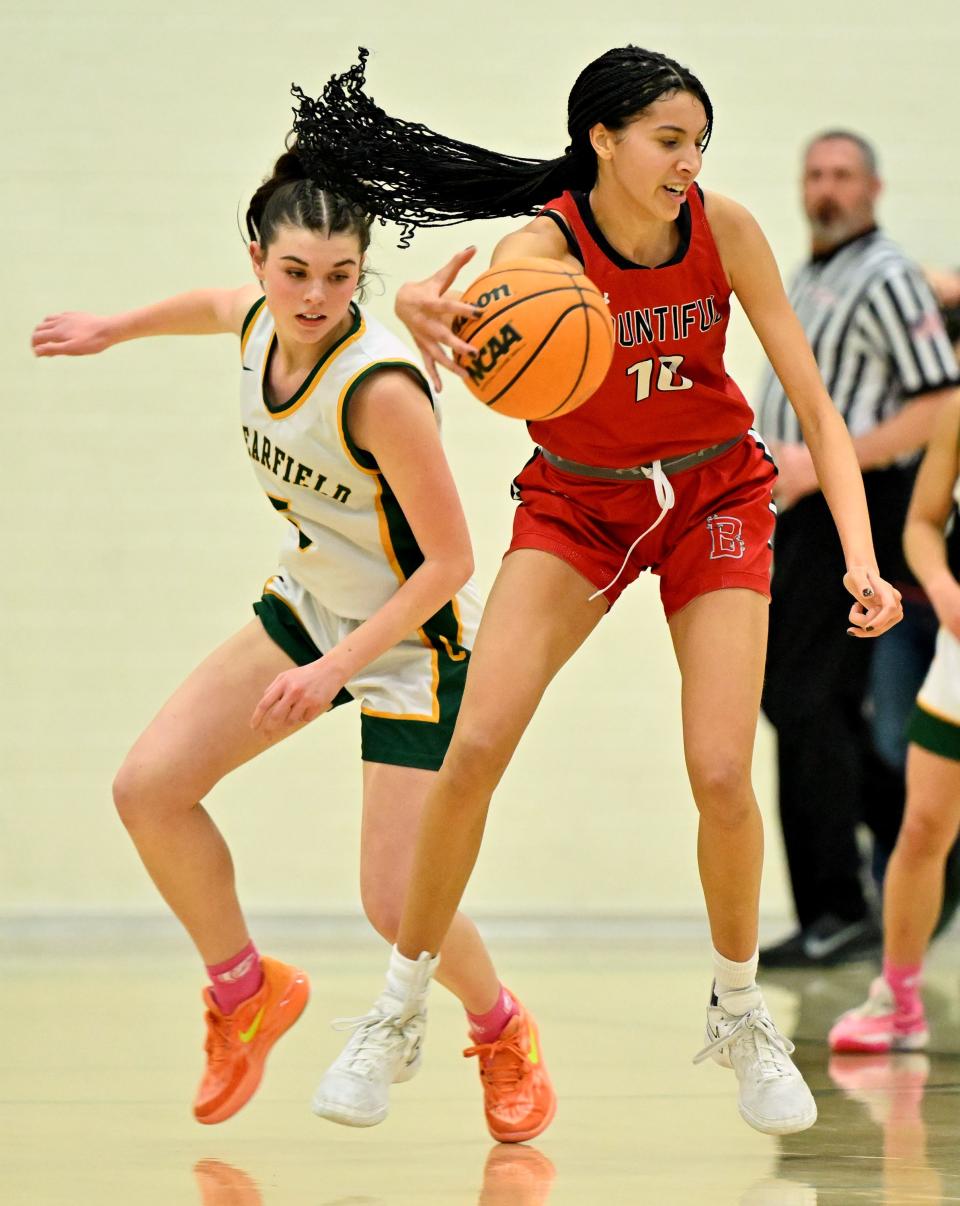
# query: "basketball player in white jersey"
372, 602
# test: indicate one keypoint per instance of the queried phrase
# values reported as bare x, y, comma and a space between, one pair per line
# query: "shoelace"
372, 1033
758, 1026
503, 1074
666, 498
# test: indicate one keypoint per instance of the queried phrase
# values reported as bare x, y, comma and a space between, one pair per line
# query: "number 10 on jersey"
669, 379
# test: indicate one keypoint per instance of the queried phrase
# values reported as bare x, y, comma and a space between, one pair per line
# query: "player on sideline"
373, 601
622, 205
892, 1018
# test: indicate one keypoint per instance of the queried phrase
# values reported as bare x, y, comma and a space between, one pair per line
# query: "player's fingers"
448, 273
876, 618
277, 717
889, 614
267, 700
450, 364
457, 345
460, 309
857, 581
430, 365
46, 335
441, 333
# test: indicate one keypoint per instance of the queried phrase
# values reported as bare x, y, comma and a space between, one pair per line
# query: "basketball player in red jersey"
658, 470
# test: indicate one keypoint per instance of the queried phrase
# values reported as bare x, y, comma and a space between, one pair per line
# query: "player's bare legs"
537, 616
893, 1017
393, 798
200, 734
535, 619
913, 886
720, 639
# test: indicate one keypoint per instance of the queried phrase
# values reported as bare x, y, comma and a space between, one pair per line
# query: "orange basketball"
544, 340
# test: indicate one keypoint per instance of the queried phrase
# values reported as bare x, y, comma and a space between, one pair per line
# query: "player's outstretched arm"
199, 312
755, 279
392, 419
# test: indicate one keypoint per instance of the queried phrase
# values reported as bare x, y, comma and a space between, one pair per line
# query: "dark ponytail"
411, 175
290, 197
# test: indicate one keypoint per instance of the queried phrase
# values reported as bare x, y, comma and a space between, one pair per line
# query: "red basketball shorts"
717, 535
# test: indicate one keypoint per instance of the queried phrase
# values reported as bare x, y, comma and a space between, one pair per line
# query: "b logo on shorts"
725, 537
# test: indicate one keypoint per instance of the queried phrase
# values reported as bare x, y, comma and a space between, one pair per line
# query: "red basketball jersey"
667, 392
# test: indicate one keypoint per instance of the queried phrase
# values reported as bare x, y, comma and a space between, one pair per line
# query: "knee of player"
926, 833
137, 793
721, 785
477, 758
382, 906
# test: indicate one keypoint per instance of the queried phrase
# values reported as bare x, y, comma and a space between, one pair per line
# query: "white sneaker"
385, 1049
774, 1097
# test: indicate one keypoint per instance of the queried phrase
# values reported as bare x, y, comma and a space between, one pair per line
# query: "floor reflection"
516, 1174
889, 1124
221, 1184
513, 1175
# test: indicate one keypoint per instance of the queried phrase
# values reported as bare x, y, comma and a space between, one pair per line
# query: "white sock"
407, 978
729, 975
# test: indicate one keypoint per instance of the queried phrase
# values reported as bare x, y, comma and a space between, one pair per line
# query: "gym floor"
103, 1050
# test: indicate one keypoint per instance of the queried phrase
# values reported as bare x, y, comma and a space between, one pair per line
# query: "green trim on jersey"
364, 458
417, 743
283, 407
443, 628
285, 630
935, 734
251, 315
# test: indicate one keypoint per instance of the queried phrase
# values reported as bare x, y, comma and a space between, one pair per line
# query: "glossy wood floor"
101, 1052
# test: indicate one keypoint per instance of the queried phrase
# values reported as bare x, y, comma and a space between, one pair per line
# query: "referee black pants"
830, 781
830, 777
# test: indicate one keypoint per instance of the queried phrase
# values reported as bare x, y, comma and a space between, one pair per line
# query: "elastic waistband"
670, 465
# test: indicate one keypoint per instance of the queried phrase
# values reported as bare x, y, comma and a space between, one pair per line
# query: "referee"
880, 343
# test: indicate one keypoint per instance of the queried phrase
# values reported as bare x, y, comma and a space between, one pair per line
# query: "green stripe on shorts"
418, 743
934, 734
285, 630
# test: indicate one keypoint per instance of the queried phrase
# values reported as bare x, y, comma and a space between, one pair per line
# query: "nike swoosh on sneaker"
533, 1055
247, 1036
247, 368
820, 948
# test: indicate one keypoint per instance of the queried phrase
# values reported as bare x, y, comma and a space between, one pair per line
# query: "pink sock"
236, 979
485, 1027
904, 981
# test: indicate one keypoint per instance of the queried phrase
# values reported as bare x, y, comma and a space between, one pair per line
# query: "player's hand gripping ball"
544, 339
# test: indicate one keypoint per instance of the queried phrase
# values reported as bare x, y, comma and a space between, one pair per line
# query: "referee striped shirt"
876, 333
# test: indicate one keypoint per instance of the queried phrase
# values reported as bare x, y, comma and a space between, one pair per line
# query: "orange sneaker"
518, 1098
238, 1043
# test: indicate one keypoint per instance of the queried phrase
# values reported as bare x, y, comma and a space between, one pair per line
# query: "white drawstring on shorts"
665, 497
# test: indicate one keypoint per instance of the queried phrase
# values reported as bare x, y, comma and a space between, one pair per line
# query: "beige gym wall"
134, 535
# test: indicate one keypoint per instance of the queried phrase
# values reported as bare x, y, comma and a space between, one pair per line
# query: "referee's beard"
830, 225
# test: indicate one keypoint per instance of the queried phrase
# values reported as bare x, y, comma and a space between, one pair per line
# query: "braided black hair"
407, 173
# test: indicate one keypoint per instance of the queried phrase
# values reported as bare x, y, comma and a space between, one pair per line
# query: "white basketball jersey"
348, 543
